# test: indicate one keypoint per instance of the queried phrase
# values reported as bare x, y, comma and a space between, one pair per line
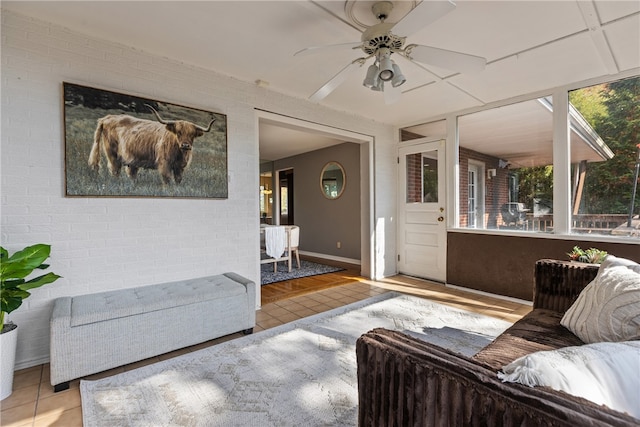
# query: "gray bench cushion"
86, 309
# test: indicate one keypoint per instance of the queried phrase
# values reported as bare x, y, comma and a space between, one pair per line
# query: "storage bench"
96, 332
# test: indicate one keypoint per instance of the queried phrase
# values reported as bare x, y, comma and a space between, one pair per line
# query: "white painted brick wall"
108, 243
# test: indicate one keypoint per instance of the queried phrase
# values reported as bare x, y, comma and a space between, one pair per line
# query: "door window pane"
422, 177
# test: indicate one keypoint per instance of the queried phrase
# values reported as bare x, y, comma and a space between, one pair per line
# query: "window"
604, 178
506, 172
517, 141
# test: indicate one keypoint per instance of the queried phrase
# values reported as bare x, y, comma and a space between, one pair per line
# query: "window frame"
562, 197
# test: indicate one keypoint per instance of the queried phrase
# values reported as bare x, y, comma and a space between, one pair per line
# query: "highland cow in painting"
165, 145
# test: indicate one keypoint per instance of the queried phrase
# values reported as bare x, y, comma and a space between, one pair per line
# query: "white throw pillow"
608, 308
605, 373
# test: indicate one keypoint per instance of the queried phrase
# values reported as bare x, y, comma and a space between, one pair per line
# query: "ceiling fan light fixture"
386, 74
379, 42
398, 78
371, 80
386, 65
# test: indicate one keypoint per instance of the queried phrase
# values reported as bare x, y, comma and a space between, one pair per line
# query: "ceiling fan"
380, 43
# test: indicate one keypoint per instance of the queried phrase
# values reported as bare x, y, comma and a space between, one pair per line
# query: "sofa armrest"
558, 283
405, 381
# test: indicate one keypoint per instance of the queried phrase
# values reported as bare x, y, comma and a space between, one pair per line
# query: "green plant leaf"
23, 262
11, 285
39, 281
12, 300
14, 270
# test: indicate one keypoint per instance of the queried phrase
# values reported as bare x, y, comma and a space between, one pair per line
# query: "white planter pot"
8, 342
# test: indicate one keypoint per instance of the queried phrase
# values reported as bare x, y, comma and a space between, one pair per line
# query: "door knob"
440, 218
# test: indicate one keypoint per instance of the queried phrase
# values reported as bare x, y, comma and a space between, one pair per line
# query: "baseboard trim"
489, 294
24, 364
331, 257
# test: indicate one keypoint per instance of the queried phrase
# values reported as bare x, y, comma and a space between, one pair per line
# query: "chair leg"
298, 258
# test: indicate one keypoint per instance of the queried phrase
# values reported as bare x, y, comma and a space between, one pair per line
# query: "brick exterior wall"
414, 177
496, 189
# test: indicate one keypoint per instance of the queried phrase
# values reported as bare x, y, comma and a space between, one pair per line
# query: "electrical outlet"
338, 245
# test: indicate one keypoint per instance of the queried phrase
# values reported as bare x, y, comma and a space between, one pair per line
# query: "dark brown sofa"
403, 381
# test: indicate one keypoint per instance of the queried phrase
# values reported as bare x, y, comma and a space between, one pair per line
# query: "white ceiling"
529, 46
279, 140
522, 133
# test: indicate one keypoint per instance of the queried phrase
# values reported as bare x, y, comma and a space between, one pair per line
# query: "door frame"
368, 242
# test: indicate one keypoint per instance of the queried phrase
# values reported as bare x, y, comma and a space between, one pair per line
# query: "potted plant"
591, 255
14, 288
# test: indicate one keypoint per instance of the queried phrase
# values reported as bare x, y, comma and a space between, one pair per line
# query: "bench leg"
248, 331
61, 387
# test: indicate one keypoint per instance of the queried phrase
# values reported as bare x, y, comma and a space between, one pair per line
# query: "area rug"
307, 268
299, 374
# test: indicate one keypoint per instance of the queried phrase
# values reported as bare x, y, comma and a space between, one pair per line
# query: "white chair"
276, 243
294, 242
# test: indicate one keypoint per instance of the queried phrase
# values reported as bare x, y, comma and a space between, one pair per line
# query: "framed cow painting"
119, 145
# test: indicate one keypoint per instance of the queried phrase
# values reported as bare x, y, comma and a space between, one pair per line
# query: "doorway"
281, 137
422, 200
285, 191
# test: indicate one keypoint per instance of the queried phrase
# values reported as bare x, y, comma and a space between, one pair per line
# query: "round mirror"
332, 180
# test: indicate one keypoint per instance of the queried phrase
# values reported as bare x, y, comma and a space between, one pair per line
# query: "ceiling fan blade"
336, 81
327, 48
422, 15
454, 61
391, 94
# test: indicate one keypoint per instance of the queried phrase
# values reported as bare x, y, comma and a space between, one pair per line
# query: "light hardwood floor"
33, 402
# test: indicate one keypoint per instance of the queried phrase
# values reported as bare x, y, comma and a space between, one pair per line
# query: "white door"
422, 231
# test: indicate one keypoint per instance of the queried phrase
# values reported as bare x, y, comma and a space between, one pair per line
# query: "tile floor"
33, 402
